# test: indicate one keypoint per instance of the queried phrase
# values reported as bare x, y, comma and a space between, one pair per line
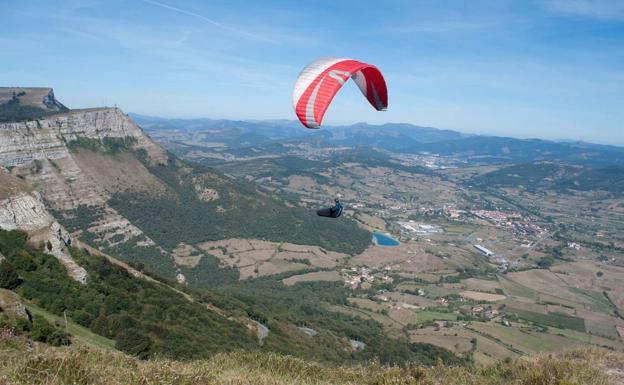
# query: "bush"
545, 262
134, 342
58, 338
8, 276
43, 331
12, 241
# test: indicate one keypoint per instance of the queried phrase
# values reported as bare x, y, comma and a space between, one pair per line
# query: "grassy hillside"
87, 365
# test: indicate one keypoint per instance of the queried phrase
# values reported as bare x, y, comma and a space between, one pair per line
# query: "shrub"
43, 331
8, 276
133, 342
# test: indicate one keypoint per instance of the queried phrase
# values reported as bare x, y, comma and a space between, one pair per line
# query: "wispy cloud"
208, 20
599, 9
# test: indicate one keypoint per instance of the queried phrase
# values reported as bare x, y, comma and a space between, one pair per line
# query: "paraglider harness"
333, 212
336, 210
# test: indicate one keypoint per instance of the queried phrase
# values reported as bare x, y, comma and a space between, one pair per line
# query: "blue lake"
384, 239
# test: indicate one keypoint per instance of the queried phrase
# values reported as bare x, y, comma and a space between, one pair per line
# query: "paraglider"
320, 80
332, 212
316, 87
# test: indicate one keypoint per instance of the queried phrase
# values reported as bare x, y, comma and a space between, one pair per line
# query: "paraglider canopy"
320, 80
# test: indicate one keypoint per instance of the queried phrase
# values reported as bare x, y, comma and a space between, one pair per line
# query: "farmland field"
562, 321
314, 276
479, 296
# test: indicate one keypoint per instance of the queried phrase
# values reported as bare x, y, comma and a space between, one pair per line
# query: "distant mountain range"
395, 137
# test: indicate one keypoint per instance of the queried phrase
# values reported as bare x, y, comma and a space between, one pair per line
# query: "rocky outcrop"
51, 103
26, 211
11, 303
57, 243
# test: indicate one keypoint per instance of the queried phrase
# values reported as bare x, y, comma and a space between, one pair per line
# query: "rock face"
23, 142
38, 152
26, 211
42, 170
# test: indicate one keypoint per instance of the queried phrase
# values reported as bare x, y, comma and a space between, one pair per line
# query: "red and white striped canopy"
320, 80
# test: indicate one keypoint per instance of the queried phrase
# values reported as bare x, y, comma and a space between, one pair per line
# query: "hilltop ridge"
90, 365
25, 103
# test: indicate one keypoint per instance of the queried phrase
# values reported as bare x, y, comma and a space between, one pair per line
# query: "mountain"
555, 176
108, 239
222, 137
107, 180
108, 234
26, 103
498, 150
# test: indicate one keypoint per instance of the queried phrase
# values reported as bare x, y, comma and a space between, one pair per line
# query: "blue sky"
533, 68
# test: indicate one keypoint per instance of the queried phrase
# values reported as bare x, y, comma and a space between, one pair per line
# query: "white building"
484, 251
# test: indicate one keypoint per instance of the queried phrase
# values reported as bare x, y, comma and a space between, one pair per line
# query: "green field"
517, 290
425, 316
599, 302
559, 320
81, 333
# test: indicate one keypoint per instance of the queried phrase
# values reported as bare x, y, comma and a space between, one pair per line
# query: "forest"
148, 319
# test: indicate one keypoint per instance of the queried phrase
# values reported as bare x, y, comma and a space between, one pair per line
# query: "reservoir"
382, 239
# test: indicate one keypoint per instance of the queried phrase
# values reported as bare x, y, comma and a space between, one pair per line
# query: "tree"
545, 262
43, 331
58, 338
8, 276
133, 342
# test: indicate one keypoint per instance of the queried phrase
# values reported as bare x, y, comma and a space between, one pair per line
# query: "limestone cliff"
39, 152
23, 142
44, 173
24, 210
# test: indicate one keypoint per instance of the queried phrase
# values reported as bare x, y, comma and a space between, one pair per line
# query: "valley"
455, 256
490, 257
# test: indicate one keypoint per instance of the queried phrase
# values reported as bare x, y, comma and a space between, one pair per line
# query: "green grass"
603, 329
559, 320
599, 303
522, 339
81, 333
517, 290
425, 316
